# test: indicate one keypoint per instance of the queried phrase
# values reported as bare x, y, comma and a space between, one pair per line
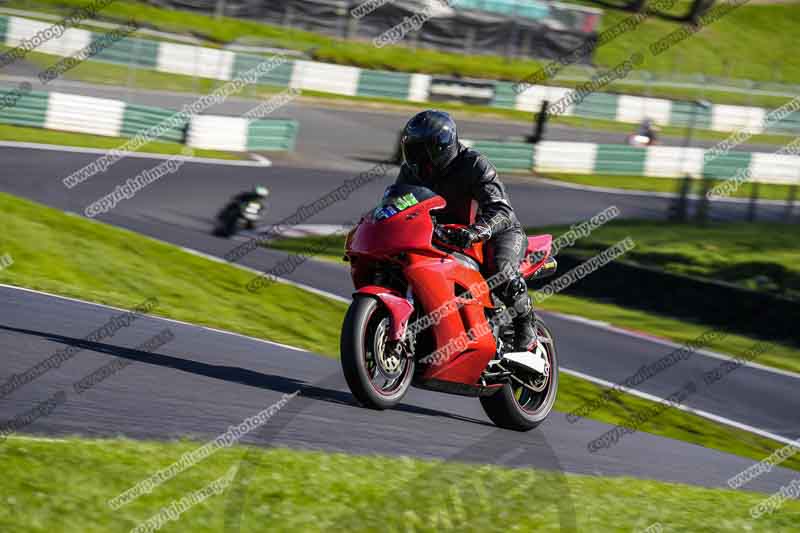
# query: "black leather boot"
524, 331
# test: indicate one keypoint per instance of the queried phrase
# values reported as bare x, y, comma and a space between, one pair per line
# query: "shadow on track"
233, 374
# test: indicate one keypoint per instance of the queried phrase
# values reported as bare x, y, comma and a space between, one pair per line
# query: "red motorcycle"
424, 315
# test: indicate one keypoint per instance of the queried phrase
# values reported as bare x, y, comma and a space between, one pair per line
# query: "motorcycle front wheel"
376, 376
525, 402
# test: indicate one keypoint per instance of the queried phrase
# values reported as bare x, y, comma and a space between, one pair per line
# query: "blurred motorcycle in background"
244, 211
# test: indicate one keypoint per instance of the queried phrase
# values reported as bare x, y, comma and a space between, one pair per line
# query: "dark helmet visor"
416, 153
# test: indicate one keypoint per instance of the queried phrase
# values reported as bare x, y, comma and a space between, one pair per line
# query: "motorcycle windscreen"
398, 198
382, 232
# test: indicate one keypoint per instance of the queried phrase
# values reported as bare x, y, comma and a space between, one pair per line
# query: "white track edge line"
157, 317
681, 407
671, 344
261, 159
140, 155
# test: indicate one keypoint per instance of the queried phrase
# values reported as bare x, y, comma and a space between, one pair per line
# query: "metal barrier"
104, 116
507, 156
623, 160
30, 110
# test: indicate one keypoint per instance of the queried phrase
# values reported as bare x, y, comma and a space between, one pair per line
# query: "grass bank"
758, 37
314, 491
760, 255
72, 256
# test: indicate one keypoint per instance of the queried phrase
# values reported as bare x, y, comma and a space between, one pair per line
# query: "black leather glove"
466, 237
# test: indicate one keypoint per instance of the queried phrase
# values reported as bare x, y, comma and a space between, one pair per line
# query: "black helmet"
429, 143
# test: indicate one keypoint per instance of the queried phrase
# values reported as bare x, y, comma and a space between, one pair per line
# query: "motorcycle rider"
257, 194
233, 209
648, 129
434, 158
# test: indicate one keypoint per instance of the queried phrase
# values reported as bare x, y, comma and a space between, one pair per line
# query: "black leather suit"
470, 176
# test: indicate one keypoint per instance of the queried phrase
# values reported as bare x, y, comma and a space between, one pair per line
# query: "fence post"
790, 202
751, 208
703, 204
540, 121
679, 209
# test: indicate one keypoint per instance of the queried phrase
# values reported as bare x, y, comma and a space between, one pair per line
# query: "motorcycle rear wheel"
376, 379
518, 408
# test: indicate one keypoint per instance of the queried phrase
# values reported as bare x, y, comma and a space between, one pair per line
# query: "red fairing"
434, 282
408, 231
402, 246
541, 244
399, 308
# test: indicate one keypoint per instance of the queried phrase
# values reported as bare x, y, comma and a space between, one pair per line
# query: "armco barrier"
138, 118
624, 160
84, 114
271, 135
506, 156
710, 302
620, 159
240, 134
219, 64
3, 28
30, 110
104, 116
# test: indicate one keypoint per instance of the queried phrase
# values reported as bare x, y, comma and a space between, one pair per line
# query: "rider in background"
258, 194
434, 158
648, 129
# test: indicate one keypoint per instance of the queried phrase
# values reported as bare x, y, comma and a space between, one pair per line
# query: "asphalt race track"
192, 196
203, 381
214, 379
179, 209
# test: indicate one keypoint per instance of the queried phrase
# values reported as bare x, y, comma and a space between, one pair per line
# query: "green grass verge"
766, 191
575, 393
121, 268
314, 491
75, 257
761, 255
750, 42
85, 140
691, 251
